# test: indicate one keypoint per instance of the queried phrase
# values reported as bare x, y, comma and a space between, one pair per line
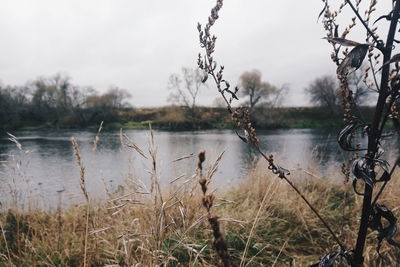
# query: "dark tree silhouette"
324, 92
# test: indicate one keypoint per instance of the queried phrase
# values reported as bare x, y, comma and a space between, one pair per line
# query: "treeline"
56, 102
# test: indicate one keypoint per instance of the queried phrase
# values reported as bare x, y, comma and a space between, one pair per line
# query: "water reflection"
47, 162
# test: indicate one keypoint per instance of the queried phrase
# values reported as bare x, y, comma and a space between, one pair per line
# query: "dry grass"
82, 183
168, 226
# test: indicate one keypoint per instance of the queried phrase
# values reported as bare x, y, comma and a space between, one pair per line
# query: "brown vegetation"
261, 212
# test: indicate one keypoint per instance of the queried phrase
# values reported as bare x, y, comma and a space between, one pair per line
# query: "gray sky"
136, 45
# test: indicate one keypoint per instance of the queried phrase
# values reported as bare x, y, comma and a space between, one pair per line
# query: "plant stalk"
341, 245
374, 136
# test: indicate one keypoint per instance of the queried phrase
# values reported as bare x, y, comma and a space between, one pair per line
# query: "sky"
137, 45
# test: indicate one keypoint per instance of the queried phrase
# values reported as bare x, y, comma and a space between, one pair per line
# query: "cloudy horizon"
138, 45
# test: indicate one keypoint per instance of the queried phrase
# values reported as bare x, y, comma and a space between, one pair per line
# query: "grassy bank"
169, 227
179, 118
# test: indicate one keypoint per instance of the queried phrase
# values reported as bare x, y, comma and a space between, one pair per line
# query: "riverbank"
175, 118
263, 214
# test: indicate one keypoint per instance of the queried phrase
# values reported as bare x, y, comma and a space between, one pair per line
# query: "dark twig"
374, 74
385, 183
363, 22
341, 245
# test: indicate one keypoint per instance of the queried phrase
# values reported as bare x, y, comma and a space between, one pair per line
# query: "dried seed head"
202, 156
208, 201
220, 244
203, 184
394, 113
346, 172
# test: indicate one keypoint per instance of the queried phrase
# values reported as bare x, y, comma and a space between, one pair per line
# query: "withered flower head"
202, 156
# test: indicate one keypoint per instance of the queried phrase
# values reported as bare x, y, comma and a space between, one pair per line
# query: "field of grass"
178, 118
264, 222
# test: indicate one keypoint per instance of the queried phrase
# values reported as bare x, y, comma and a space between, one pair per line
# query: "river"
46, 163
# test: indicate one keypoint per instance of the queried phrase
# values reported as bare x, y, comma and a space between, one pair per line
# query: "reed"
85, 193
97, 138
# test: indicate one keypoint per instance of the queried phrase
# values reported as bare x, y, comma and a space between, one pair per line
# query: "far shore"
175, 118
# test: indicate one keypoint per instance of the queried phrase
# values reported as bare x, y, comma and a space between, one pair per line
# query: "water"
46, 163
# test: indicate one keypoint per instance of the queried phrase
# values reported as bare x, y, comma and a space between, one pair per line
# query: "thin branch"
386, 117
373, 74
386, 182
342, 246
363, 22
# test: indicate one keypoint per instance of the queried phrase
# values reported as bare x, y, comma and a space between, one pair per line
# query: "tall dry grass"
263, 222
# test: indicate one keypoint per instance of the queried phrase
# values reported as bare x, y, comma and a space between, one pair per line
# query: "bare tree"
279, 95
63, 86
118, 96
324, 92
114, 98
79, 96
258, 91
52, 92
185, 88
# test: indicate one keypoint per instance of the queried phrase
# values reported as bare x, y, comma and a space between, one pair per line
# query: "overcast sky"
136, 44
